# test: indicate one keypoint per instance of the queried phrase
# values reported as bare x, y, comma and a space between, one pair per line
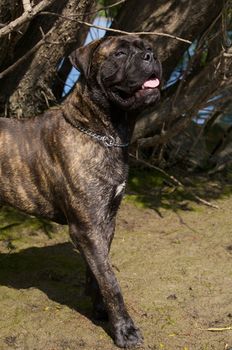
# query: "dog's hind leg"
95, 248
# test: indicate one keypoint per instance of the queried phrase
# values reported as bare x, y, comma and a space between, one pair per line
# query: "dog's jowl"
70, 164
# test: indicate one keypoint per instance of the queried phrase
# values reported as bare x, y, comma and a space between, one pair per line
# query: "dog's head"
124, 69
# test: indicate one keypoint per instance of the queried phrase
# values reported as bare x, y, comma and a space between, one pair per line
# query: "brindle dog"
70, 164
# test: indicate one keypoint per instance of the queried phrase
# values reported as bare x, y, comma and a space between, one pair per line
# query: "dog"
70, 164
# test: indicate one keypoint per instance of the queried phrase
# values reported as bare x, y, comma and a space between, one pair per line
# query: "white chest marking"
120, 189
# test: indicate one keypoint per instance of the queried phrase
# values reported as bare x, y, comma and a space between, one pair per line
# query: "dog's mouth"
152, 83
127, 97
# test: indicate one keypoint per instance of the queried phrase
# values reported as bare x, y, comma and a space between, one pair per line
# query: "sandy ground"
174, 266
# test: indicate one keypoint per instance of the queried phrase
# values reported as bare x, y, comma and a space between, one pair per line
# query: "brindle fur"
51, 169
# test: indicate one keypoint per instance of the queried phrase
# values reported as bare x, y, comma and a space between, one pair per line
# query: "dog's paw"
127, 335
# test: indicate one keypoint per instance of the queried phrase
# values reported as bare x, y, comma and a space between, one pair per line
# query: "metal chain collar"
108, 141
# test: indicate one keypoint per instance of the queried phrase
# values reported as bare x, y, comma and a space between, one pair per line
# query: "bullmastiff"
70, 164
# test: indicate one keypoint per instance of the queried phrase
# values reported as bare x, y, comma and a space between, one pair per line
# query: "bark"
28, 88
9, 10
66, 67
28, 14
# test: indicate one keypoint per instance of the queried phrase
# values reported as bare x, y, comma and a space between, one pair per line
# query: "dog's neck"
97, 114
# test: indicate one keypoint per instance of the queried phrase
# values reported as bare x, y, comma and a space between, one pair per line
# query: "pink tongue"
153, 83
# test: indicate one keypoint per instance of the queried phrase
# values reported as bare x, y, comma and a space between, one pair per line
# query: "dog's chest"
119, 190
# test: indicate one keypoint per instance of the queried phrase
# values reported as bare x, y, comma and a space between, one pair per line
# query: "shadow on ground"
57, 270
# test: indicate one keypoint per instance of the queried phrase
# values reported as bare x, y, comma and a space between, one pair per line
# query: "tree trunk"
27, 89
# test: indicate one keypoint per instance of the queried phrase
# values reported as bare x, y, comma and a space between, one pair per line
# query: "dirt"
174, 264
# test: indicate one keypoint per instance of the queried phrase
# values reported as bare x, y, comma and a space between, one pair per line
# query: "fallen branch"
203, 201
175, 181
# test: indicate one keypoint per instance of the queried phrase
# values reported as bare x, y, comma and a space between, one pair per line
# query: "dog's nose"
147, 56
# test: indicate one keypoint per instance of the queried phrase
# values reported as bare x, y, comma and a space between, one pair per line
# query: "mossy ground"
172, 256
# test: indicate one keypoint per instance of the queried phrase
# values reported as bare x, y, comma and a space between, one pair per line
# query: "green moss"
137, 200
17, 228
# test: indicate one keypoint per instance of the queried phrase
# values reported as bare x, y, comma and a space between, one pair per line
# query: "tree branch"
36, 76
135, 33
90, 25
199, 83
107, 7
27, 5
184, 20
25, 17
26, 56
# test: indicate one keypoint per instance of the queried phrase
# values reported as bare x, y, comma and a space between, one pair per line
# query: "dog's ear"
81, 58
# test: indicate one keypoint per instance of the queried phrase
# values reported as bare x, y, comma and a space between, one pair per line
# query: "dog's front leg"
95, 248
92, 287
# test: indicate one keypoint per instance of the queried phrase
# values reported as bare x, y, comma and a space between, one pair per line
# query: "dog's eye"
119, 53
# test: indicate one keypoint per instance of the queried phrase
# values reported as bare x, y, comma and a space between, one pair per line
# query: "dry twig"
90, 25
134, 33
218, 329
